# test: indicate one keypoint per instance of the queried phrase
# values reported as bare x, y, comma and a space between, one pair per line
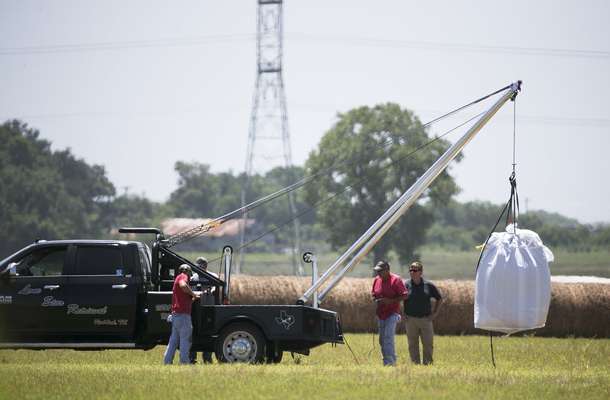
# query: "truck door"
33, 301
103, 293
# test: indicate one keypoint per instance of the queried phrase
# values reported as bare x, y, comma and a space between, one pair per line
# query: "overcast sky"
138, 85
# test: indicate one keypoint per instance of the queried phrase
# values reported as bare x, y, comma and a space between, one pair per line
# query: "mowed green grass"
527, 368
438, 263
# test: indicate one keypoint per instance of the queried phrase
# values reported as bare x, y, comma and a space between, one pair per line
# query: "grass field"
527, 368
439, 264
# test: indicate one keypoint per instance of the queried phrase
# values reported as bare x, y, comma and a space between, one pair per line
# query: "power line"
532, 119
122, 45
398, 43
304, 37
566, 120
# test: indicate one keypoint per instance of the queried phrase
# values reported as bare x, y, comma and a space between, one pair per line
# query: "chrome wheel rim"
239, 346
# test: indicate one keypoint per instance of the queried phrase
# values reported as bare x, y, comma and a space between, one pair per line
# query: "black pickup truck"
105, 294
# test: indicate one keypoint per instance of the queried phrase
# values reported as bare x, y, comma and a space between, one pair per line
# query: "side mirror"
10, 270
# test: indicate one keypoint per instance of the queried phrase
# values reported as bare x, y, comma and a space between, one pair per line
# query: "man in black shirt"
420, 312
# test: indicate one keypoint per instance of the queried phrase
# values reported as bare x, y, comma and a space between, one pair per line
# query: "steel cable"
203, 228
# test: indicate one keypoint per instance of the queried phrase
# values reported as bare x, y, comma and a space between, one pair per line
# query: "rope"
491, 346
202, 229
507, 206
296, 359
351, 351
513, 215
468, 105
374, 346
512, 205
513, 179
514, 133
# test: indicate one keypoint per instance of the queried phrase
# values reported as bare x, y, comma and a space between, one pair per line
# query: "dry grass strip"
578, 309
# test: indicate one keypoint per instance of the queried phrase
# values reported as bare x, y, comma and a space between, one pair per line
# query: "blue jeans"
182, 332
387, 331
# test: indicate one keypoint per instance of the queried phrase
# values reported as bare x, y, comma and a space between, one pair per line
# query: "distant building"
172, 226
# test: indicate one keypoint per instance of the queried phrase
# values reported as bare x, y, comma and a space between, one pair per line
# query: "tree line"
461, 226
362, 164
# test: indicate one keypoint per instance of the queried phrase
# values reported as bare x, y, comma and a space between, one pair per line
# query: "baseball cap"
381, 266
186, 269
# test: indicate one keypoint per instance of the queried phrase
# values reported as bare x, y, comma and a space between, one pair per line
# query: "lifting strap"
511, 208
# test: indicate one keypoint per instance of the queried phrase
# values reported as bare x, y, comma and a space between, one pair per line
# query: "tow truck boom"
365, 243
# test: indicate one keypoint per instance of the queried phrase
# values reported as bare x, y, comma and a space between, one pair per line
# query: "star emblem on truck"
285, 320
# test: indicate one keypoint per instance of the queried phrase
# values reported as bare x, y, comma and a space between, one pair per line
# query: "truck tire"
241, 342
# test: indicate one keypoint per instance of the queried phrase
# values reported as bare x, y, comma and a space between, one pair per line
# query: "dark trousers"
206, 355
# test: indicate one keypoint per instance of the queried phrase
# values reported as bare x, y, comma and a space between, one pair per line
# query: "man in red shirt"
182, 326
388, 291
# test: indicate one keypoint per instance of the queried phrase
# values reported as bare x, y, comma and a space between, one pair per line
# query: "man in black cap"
388, 291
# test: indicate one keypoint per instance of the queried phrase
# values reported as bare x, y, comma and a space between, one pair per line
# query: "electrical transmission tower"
268, 138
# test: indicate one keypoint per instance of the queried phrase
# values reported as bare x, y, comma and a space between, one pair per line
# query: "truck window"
99, 260
47, 261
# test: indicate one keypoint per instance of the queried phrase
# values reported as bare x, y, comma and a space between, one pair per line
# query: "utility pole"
268, 137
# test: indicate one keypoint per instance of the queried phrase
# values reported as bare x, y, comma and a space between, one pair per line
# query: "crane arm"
365, 243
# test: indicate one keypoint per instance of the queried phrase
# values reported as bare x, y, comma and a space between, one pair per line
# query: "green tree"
462, 226
46, 194
370, 156
204, 194
601, 238
194, 197
130, 210
465, 225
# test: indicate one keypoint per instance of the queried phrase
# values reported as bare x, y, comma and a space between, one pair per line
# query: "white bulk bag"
513, 282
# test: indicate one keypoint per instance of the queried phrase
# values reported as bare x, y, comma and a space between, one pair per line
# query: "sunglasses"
415, 270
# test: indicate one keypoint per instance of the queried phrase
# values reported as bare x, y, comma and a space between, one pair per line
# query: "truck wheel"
241, 342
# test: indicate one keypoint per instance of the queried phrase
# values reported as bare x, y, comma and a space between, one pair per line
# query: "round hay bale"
457, 313
577, 309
